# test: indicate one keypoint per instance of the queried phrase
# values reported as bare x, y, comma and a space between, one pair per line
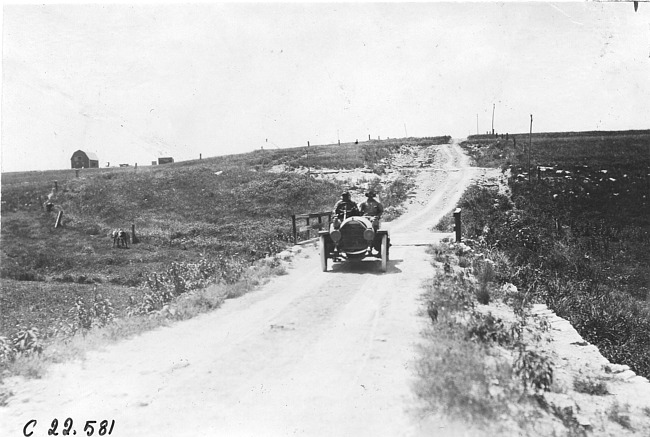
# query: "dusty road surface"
310, 353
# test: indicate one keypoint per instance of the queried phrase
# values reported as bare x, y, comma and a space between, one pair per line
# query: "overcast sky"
132, 83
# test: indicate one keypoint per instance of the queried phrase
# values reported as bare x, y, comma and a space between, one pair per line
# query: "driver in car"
344, 208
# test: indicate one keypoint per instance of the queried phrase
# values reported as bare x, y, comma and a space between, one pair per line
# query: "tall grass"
473, 365
578, 242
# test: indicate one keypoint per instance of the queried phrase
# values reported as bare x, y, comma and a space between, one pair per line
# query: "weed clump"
590, 386
488, 329
620, 414
534, 369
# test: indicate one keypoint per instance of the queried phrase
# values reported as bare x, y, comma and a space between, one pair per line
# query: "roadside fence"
306, 226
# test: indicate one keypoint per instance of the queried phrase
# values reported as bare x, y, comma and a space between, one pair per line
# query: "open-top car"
354, 238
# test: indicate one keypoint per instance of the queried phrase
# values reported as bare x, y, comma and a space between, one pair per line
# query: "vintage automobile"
354, 239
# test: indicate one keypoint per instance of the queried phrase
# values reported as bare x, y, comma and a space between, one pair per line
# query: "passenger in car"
372, 208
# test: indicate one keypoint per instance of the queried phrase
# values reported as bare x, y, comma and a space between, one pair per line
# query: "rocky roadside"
591, 395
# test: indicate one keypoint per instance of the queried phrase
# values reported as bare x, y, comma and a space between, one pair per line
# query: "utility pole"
530, 143
476, 124
493, 105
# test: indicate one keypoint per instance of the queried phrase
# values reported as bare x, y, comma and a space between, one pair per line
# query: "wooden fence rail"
309, 227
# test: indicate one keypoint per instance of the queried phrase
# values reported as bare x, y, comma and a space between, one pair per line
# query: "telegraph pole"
493, 105
530, 143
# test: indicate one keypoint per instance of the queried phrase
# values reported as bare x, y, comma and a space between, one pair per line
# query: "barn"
81, 159
168, 160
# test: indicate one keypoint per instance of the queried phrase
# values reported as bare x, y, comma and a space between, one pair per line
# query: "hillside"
230, 210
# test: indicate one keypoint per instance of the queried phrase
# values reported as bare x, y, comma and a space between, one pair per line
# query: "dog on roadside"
120, 238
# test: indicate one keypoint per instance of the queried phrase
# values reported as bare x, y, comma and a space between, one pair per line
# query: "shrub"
590, 386
439, 252
7, 350
482, 294
534, 369
27, 341
487, 328
397, 190
464, 261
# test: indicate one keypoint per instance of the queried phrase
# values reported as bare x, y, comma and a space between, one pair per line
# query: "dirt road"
310, 353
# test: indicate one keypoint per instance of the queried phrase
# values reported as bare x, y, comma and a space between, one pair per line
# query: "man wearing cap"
345, 207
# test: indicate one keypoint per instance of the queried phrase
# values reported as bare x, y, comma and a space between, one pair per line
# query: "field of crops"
577, 231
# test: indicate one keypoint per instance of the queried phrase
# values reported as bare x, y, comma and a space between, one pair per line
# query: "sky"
132, 83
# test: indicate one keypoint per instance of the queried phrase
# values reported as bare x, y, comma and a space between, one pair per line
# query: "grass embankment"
576, 238
198, 224
486, 360
485, 369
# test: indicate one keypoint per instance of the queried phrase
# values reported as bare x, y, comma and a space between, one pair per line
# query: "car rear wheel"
323, 254
384, 253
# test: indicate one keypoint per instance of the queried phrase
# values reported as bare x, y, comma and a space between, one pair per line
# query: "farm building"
168, 160
81, 159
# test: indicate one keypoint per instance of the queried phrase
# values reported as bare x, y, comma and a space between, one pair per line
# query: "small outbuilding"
81, 159
168, 160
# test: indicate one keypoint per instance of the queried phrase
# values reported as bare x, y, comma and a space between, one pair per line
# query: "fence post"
457, 224
308, 230
320, 223
134, 239
58, 219
295, 234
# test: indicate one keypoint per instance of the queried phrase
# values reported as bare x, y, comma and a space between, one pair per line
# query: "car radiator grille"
352, 236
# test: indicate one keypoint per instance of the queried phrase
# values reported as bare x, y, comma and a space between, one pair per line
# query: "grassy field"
577, 234
197, 223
